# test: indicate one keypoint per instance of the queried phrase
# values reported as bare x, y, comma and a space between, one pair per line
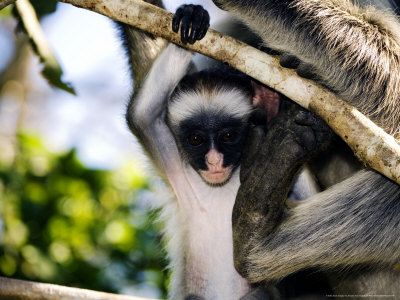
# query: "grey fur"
361, 41
355, 52
198, 216
142, 49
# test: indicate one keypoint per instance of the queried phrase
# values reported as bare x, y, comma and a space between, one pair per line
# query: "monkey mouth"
216, 177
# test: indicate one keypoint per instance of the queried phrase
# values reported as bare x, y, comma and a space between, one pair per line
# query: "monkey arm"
352, 223
355, 222
355, 52
146, 112
142, 48
267, 174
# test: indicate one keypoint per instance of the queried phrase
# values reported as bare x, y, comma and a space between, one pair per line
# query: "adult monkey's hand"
267, 173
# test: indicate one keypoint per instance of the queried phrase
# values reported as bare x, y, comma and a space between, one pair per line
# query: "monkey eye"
195, 140
229, 136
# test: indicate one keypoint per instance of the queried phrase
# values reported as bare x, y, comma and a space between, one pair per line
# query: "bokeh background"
75, 187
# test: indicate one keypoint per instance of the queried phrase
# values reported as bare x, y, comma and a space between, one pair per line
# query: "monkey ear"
266, 99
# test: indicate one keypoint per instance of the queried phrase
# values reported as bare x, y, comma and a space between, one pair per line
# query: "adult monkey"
351, 230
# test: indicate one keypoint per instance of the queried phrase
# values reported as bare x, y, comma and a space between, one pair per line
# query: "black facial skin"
205, 131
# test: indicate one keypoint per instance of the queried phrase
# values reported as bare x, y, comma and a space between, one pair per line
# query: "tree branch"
51, 68
370, 143
4, 3
14, 289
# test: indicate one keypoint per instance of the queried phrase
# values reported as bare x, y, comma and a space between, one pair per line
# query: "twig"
51, 68
4, 3
370, 143
14, 289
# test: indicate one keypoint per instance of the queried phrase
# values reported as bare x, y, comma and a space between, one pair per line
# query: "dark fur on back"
354, 51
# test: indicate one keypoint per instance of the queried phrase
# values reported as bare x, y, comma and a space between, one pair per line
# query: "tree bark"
14, 289
370, 143
4, 3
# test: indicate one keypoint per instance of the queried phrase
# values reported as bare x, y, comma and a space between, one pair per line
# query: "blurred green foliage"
64, 223
5, 12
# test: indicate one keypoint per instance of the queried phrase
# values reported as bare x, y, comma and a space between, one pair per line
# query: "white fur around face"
233, 101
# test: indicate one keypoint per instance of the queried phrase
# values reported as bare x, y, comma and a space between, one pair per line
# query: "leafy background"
74, 194
63, 221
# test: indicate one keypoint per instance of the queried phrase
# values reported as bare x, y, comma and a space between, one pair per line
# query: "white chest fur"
206, 236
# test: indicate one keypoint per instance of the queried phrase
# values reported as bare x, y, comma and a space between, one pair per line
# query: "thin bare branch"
4, 3
14, 289
51, 68
370, 143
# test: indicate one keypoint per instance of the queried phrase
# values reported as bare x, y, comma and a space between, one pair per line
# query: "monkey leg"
267, 174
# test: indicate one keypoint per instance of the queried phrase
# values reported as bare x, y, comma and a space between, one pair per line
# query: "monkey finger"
305, 118
176, 19
289, 61
197, 18
192, 36
268, 50
322, 131
186, 22
184, 33
306, 71
205, 24
200, 22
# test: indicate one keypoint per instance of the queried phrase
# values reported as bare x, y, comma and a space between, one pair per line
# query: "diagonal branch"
51, 68
14, 289
370, 143
4, 3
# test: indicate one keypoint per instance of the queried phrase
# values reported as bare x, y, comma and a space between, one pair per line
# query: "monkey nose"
213, 157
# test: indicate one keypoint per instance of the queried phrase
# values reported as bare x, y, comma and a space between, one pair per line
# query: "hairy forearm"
151, 100
147, 108
346, 225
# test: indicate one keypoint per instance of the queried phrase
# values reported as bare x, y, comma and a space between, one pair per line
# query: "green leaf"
6, 12
52, 70
67, 224
53, 75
